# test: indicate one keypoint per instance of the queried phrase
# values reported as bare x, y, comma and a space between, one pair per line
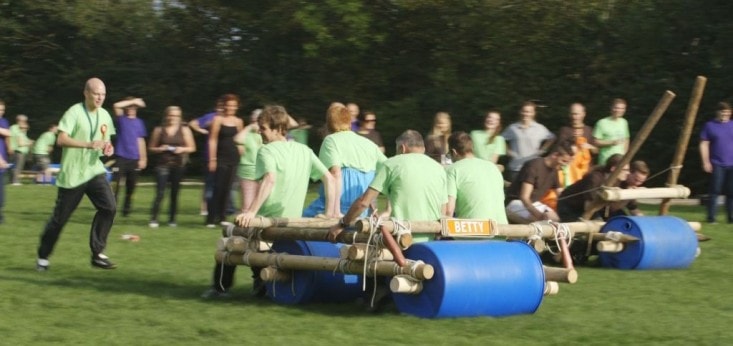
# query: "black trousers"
100, 194
225, 173
127, 170
224, 276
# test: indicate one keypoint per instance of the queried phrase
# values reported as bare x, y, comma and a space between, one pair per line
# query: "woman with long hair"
436, 143
171, 142
223, 157
488, 144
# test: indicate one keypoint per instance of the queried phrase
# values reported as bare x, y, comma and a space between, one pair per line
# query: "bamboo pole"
266, 222
609, 246
513, 231
684, 139
419, 271
551, 288
288, 233
640, 138
358, 252
616, 194
402, 284
560, 274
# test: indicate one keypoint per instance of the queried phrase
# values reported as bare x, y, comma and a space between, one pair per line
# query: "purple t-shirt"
3, 150
720, 136
128, 132
204, 122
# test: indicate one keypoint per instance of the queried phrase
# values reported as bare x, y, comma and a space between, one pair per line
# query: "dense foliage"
404, 59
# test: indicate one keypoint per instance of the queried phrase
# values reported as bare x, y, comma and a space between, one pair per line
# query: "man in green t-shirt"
19, 145
475, 186
283, 170
84, 134
612, 132
42, 149
414, 184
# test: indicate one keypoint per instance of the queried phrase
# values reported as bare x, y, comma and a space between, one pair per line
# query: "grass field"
153, 297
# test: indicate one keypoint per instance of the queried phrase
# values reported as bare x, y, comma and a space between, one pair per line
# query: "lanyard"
92, 128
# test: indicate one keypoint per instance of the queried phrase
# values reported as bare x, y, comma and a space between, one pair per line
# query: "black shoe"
101, 261
375, 303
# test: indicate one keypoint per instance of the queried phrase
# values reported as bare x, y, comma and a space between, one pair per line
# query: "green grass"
153, 297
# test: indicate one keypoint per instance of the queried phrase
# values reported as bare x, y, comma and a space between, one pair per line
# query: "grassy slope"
152, 298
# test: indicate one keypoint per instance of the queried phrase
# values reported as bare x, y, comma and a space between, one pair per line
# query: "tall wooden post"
641, 136
684, 139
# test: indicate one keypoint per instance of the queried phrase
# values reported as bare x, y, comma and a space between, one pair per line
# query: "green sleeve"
318, 169
328, 153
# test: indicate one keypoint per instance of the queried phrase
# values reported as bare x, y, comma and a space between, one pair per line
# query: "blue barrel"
313, 286
476, 278
666, 242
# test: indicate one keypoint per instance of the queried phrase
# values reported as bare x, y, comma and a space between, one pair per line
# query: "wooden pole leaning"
684, 140
416, 270
640, 138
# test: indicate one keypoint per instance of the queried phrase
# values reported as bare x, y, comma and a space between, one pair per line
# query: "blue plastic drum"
476, 278
666, 242
313, 286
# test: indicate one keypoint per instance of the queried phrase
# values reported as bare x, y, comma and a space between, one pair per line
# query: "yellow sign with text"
467, 228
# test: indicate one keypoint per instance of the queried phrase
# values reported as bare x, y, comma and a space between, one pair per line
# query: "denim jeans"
721, 183
163, 176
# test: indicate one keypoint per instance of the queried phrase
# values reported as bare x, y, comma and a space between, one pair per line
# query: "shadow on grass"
155, 287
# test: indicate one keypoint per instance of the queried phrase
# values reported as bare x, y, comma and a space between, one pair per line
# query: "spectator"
475, 186
201, 125
131, 154
20, 145
4, 134
171, 143
42, 150
612, 132
488, 144
716, 151
354, 111
223, 158
526, 139
436, 142
367, 128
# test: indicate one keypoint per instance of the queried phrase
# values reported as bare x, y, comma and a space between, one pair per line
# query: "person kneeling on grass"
283, 170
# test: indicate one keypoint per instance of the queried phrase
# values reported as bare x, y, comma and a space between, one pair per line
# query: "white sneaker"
42, 265
153, 224
172, 224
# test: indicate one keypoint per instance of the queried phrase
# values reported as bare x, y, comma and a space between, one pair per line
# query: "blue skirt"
353, 184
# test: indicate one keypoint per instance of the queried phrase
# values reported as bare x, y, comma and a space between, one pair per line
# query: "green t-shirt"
485, 150
348, 149
79, 165
247, 162
46, 140
478, 187
293, 165
415, 185
610, 129
18, 136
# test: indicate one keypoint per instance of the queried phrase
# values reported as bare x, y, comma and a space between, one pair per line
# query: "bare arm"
333, 208
120, 105
524, 196
707, 166
154, 143
361, 204
450, 208
267, 183
194, 124
337, 190
188, 140
214, 142
143, 162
